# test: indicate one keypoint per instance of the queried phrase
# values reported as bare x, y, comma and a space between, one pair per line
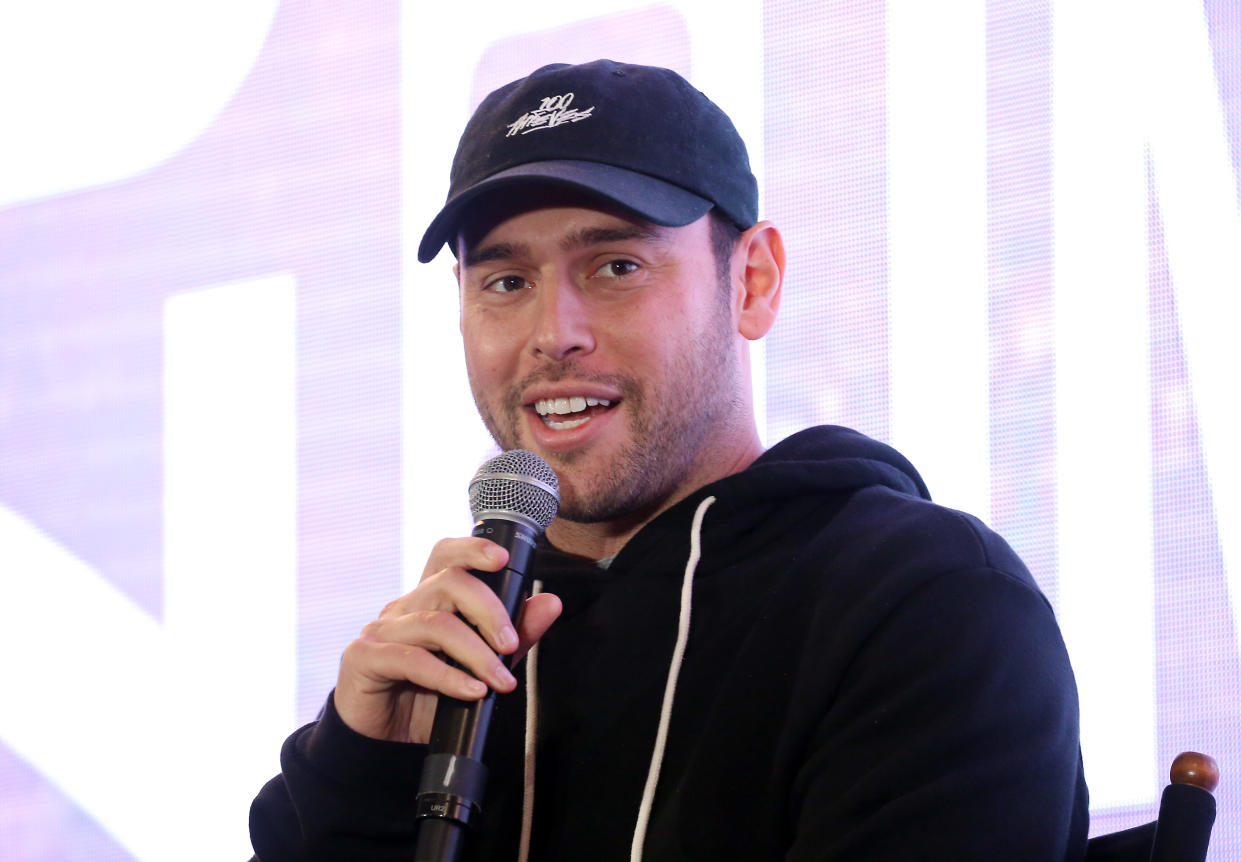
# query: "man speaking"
789, 654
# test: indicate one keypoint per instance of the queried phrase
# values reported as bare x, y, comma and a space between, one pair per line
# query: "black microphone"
514, 496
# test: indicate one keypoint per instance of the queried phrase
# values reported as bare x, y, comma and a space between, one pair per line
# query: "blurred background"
233, 409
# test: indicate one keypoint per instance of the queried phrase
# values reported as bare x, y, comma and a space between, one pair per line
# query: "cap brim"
649, 198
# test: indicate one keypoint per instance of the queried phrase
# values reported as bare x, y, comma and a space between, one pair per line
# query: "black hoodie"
866, 676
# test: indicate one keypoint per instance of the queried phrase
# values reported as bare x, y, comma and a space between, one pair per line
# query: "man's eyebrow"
495, 251
583, 238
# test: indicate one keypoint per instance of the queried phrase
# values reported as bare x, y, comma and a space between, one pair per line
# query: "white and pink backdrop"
233, 414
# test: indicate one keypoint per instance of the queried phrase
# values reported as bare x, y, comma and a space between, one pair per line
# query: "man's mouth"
562, 414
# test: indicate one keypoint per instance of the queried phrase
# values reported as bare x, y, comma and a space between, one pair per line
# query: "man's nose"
564, 326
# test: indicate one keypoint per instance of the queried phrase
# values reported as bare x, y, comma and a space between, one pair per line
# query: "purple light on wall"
299, 173
825, 162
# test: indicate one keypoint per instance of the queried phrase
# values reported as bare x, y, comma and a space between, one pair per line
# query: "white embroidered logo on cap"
551, 112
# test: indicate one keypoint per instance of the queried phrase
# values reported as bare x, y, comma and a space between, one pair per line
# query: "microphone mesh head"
518, 482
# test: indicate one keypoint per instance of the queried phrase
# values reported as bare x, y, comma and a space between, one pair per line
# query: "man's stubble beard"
667, 439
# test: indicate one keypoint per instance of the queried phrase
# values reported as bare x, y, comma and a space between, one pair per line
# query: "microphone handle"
450, 792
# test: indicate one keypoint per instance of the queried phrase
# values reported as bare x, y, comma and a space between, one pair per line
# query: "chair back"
1183, 830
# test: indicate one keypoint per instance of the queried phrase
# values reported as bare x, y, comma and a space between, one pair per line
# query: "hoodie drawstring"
532, 729
670, 687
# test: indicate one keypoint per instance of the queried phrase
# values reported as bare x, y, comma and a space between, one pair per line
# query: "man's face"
606, 345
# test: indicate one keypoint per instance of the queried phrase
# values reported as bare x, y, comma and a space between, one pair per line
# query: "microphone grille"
516, 481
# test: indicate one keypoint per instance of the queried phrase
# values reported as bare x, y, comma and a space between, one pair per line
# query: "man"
742, 655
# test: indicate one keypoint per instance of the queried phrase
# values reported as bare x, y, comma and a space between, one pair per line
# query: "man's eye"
506, 284
616, 268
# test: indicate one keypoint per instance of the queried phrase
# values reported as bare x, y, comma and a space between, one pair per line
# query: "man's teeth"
563, 406
549, 407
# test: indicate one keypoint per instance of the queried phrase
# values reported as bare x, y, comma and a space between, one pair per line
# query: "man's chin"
615, 497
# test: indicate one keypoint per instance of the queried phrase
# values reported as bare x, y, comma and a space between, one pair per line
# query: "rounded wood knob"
1200, 770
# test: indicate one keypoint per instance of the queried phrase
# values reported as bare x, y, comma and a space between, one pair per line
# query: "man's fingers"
467, 552
387, 663
440, 638
436, 631
537, 616
457, 591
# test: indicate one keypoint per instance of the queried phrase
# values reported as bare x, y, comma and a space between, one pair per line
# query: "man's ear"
758, 262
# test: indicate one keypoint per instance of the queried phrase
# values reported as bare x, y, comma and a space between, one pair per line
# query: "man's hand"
392, 674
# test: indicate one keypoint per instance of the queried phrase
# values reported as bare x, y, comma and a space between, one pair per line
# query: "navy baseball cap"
640, 137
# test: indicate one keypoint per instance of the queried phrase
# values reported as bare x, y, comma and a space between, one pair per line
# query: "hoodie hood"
825, 459
817, 467
827, 462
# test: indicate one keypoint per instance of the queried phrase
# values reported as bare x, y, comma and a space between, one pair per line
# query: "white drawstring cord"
670, 687
532, 719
